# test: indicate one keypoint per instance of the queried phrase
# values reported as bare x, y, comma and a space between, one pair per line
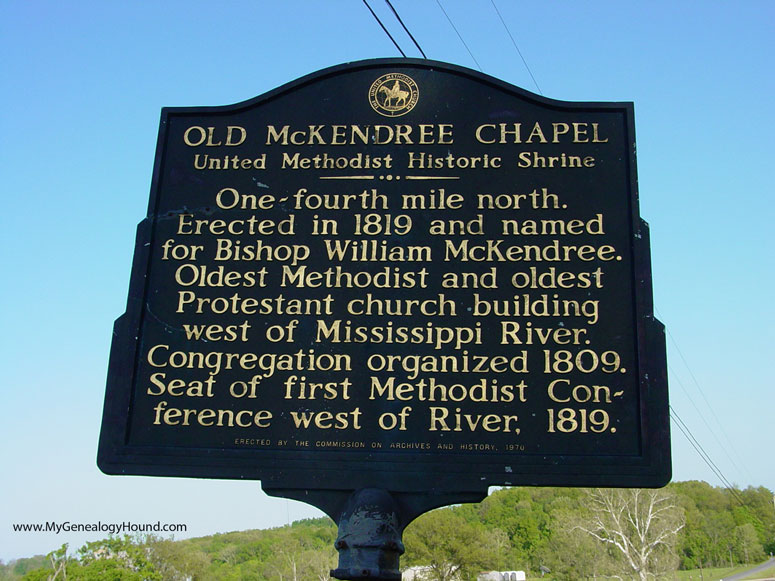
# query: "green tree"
746, 545
177, 561
713, 517
58, 567
15, 569
106, 570
522, 513
500, 548
452, 547
571, 556
41, 574
301, 554
132, 554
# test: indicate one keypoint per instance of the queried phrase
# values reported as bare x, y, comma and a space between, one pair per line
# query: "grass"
766, 574
708, 574
713, 574
716, 574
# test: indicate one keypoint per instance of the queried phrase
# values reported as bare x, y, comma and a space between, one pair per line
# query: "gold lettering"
338, 135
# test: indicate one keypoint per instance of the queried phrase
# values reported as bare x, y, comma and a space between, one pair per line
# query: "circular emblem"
393, 94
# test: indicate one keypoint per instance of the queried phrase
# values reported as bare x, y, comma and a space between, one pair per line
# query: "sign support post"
369, 540
371, 523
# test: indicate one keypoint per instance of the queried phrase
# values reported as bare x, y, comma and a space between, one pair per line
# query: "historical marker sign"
398, 274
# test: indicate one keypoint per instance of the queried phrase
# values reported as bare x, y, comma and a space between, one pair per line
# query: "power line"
458, 35
707, 403
704, 455
684, 428
384, 29
697, 446
422, 52
674, 415
702, 417
514, 42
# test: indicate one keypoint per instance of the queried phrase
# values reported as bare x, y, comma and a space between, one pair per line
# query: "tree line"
562, 533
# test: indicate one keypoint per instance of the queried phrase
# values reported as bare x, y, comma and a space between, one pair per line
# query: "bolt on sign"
395, 274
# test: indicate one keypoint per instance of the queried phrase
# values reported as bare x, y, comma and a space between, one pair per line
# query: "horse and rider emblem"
393, 94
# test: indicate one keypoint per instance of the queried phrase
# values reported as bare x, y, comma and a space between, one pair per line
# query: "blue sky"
83, 85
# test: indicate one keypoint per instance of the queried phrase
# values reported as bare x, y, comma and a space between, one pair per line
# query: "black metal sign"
397, 274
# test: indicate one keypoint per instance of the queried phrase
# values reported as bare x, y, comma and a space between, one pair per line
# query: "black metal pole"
371, 523
369, 539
